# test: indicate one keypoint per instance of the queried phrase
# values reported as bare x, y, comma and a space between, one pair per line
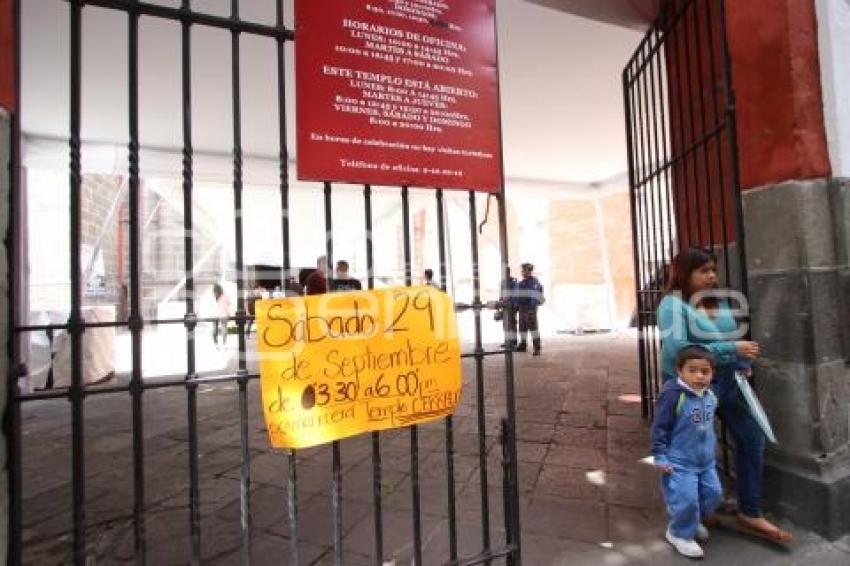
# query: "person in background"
291, 288
528, 297
428, 278
342, 281
317, 282
258, 293
222, 314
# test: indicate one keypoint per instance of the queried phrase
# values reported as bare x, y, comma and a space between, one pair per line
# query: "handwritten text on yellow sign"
340, 364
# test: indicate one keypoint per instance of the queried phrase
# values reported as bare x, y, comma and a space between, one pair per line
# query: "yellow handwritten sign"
339, 364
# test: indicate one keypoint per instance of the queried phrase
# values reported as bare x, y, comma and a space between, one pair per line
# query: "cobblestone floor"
585, 496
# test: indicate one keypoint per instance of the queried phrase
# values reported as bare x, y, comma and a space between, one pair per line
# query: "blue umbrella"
755, 406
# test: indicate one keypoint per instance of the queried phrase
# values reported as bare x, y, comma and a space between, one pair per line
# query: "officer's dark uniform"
529, 296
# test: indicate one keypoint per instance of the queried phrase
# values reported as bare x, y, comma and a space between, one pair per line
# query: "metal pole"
76, 325
136, 322
191, 316
414, 431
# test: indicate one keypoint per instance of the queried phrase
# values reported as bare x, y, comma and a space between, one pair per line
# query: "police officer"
529, 296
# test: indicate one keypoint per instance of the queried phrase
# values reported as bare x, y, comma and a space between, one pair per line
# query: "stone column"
796, 216
796, 235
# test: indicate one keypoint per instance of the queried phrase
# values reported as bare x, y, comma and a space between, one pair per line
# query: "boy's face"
696, 373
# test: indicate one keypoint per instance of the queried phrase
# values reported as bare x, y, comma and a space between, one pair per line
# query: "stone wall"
798, 275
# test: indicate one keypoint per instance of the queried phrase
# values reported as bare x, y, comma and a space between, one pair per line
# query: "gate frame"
648, 288
76, 325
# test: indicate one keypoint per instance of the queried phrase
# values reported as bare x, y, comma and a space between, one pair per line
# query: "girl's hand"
747, 349
665, 469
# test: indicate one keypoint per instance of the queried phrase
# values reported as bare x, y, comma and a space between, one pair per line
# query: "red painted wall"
7, 55
702, 181
773, 44
776, 76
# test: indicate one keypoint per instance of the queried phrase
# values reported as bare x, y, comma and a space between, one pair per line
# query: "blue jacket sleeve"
663, 424
674, 327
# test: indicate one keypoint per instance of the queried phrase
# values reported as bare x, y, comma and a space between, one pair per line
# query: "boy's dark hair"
429, 274
693, 353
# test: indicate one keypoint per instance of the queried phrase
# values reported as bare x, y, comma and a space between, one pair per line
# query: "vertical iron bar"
336, 482
666, 208
75, 321
514, 538
659, 168
647, 264
48, 384
663, 73
292, 506
649, 203
12, 420
718, 140
405, 210
692, 143
370, 259
414, 431
242, 372
686, 111
731, 125
441, 235
376, 437
450, 455
684, 220
479, 376
633, 204
135, 320
191, 317
642, 249
706, 141
652, 188
735, 187
329, 243
292, 461
516, 557
336, 502
284, 150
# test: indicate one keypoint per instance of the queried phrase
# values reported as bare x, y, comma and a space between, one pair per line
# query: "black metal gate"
683, 160
491, 543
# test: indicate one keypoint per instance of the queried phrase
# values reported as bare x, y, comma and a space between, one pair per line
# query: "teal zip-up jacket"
682, 325
682, 431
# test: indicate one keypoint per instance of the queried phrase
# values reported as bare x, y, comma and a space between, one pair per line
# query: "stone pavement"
586, 498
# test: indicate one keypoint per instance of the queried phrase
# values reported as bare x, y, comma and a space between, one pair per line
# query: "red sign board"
398, 92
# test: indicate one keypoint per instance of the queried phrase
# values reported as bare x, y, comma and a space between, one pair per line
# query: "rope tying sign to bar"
339, 364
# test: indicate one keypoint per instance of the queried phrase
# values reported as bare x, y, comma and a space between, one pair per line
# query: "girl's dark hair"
693, 353
685, 263
217, 291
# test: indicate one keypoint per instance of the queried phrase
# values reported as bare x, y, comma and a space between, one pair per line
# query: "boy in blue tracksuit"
683, 443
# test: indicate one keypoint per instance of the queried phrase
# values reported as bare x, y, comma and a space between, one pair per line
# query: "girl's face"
703, 278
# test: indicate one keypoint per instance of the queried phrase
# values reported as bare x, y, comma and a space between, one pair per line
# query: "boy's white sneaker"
702, 533
685, 547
